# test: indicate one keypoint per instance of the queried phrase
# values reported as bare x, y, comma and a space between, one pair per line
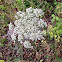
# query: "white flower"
18, 13
26, 35
29, 10
32, 36
13, 36
16, 16
27, 44
11, 26
16, 22
41, 23
21, 42
16, 29
10, 32
45, 24
20, 38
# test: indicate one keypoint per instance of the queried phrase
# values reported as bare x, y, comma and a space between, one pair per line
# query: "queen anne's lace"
29, 26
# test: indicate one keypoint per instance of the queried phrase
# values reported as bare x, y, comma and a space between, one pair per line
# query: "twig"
23, 4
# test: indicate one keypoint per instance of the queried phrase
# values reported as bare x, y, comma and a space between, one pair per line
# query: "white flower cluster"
28, 26
27, 44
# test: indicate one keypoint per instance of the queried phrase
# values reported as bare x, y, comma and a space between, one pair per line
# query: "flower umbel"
29, 26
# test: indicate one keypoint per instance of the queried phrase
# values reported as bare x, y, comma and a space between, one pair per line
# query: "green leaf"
52, 15
2, 61
51, 34
52, 20
55, 28
55, 36
3, 16
52, 46
59, 31
46, 56
58, 38
1, 45
41, 60
51, 7
3, 40
57, 18
55, 3
55, 11
43, 9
